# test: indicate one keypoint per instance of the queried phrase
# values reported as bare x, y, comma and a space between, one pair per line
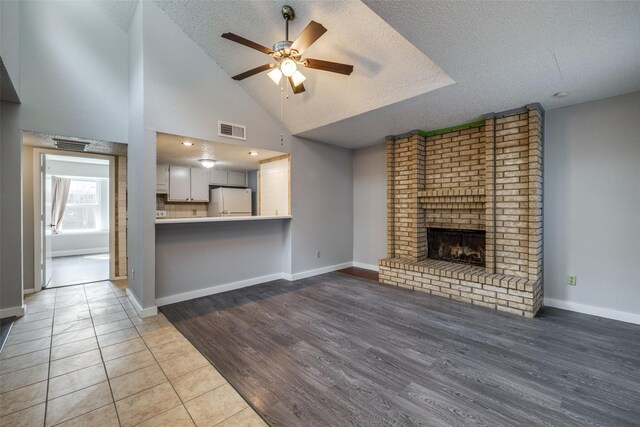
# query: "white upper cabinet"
188, 185
199, 185
238, 179
218, 177
231, 178
162, 179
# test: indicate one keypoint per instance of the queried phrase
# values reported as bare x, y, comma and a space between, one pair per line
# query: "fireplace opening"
460, 246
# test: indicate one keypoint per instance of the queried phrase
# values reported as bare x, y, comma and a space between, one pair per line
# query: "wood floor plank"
340, 350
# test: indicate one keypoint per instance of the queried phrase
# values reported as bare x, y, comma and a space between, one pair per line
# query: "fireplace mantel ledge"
464, 272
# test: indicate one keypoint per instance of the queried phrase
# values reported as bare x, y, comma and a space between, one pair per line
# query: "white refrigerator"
230, 202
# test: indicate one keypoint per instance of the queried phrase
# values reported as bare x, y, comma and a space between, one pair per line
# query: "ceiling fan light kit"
288, 55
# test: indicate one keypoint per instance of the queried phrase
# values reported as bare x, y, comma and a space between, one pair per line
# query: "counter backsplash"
180, 210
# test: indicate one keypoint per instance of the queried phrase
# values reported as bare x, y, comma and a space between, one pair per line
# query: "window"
84, 211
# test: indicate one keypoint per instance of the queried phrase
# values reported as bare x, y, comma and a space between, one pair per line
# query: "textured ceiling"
171, 151
387, 68
37, 139
120, 11
502, 55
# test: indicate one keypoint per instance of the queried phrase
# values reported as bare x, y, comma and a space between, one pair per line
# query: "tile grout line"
249, 404
104, 366
96, 338
46, 395
168, 380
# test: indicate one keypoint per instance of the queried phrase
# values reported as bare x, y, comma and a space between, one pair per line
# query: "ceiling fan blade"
334, 67
253, 71
312, 32
253, 45
296, 89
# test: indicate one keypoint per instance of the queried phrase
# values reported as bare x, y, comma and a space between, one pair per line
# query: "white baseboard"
74, 252
171, 299
371, 267
595, 311
142, 312
28, 291
119, 278
316, 272
216, 289
12, 311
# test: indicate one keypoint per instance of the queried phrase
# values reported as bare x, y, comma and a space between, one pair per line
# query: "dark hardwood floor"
337, 350
360, 272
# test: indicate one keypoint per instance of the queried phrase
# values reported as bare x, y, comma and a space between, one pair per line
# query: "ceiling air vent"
70, 145
231, 130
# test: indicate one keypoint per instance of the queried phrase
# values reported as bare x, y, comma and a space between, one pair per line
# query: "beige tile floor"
81, 356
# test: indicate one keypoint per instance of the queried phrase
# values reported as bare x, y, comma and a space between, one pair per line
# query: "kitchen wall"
180, 210
591, 207
369, 206
274, 187
321, 206
193, 260
201, 92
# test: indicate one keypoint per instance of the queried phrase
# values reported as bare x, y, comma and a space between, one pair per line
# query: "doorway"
75, 218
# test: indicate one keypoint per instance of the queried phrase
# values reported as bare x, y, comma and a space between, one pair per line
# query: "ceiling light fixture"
187, 143
253, 153
275, 75
298, 78
207, 163
288, 67
561, 94
288, 55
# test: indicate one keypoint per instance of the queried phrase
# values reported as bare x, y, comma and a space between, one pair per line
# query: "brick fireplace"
464, 212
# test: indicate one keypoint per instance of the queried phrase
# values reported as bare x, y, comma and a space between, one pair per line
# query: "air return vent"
231, 130
70, 145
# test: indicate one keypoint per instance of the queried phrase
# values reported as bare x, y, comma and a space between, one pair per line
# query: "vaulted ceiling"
421, 64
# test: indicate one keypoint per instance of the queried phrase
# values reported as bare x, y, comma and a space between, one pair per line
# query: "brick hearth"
475, 178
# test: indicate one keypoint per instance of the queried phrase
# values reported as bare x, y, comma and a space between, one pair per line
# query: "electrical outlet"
133, 274
317, 254
571, 280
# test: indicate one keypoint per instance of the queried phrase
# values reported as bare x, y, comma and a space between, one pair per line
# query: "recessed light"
253, 153
187, 143
561, 94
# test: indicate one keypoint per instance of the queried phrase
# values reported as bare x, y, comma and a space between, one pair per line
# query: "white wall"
73, 71
592, 207
10, 40
79, 244
10, 211
201, 93
141, 234
203, 258
66, 244
321, 205
369, 206
73, 82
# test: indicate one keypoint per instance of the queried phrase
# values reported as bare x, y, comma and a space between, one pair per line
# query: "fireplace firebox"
459, 246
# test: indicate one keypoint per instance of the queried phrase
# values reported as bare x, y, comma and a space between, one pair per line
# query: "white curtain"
59, 197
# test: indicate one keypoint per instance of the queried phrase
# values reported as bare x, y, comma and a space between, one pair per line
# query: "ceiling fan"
288, 54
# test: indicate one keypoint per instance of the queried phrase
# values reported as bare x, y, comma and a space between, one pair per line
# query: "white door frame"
37, 202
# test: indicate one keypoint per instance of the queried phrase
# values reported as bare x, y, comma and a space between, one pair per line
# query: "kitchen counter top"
218, 219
